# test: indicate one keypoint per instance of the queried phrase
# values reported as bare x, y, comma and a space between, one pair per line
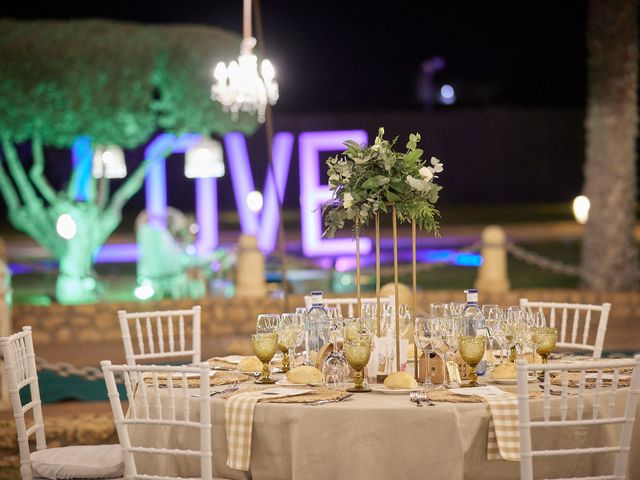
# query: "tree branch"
28, 194
37, 171
8, 192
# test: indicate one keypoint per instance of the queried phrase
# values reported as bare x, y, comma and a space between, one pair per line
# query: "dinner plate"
284, 381
391, 391
510, 381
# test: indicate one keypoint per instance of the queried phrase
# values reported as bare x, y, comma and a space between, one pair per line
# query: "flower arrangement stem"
358, 297
394, 221
413, 298
378, 313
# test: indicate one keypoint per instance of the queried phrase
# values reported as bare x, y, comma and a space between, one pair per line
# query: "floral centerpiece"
366, 180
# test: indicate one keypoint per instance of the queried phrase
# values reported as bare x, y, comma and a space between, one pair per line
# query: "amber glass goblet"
357, 351
472, 350
264, 346
544, 338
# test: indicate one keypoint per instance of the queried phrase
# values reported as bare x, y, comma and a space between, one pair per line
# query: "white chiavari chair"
601, 379
349, 303
163, 400
574, 323
161, 336
85, 461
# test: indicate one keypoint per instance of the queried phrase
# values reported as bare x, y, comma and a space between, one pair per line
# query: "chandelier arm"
246, 19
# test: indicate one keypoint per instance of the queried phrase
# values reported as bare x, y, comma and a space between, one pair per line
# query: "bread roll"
250, 364
304, 374
400, 380
504, 371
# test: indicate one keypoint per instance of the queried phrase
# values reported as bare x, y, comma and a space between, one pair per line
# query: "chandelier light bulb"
240, 88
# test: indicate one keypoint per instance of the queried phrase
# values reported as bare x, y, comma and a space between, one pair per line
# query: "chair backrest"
579, 336
20, 368
589, 376
349, 303
153, 406
161, 335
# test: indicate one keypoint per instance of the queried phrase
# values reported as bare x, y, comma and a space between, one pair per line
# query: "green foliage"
117, 82
366, 180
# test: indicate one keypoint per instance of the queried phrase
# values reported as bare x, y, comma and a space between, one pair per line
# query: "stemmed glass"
264, 346
545, 340
425, 335
472, 351
357, 351
450, 331
268, 323
335, 369
490, 313
456, 308
290, 334
440, 310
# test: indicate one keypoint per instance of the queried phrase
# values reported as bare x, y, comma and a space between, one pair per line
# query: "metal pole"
395, 284
282, 246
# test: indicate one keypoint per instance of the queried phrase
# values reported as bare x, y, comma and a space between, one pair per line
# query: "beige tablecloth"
377, 436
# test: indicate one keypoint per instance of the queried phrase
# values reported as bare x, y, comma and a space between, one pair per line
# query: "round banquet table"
380, 436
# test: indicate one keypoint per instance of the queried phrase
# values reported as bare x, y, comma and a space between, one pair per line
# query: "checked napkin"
239, 424
238, 419
503, 442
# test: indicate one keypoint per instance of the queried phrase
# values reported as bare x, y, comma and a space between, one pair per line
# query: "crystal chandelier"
238, 86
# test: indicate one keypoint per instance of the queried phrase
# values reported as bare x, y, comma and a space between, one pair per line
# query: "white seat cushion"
85, 461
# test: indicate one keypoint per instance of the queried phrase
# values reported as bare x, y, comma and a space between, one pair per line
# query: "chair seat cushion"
85, 461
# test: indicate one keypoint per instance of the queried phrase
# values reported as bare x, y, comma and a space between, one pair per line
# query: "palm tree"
609, 253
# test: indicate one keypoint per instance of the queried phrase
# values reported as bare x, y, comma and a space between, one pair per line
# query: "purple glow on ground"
313, 194
447, 256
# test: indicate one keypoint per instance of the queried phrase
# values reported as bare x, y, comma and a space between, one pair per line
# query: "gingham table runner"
238, 419
503, 442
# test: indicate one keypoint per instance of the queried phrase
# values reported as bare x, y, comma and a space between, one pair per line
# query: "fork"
230, 389
322, 402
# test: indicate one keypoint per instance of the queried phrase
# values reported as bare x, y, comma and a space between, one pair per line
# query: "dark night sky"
355, 55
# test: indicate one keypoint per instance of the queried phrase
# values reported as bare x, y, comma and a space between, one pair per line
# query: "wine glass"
544, 339
491, 313
264, 346
440, 310
290, 334
425, 335
335, 369
456, 308
357, 351
472, 351
268, 323
450, 331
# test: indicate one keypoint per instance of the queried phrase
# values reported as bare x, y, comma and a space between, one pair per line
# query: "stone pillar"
5, 319
492, 274
250, 281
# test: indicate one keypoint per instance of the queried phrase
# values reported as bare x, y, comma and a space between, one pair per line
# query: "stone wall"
227, 321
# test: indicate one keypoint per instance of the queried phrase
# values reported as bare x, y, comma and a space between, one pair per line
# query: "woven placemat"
447, 396
574, 381
316, 395
215, 363
218, 378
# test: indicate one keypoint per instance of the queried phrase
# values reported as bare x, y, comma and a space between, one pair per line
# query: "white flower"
418, 184
376, 147
426, 173
437, 166
347, 200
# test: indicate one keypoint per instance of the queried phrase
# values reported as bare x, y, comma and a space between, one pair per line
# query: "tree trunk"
609, 254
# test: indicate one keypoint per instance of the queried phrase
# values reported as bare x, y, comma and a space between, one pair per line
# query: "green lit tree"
116, 83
